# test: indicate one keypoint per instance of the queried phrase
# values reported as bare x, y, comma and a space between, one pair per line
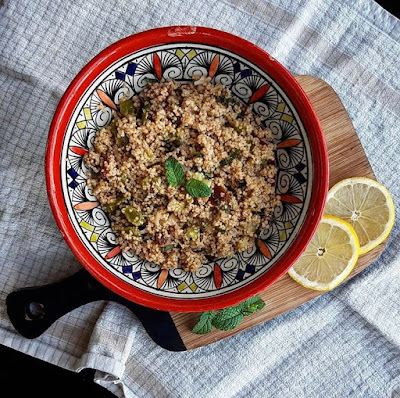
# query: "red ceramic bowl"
258, 80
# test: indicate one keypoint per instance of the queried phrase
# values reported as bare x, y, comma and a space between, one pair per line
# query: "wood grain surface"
346, 159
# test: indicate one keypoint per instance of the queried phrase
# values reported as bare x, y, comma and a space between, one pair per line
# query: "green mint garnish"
229, 159
252, 305
228, 318
197, 188
174, 172
204, 325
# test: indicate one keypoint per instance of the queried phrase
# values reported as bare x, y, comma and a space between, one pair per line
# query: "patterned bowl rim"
197, 35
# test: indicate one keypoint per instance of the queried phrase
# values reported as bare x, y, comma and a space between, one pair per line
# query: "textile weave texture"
345, 343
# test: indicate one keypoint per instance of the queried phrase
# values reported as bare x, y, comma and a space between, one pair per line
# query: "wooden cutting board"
346, 159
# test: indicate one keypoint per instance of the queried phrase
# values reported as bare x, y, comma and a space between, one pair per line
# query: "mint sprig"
228, 318
197, 188
174, 172
176, 176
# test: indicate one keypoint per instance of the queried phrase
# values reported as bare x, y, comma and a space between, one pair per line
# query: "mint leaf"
197, 188
228, 318
252, 305
204, 325
174, 172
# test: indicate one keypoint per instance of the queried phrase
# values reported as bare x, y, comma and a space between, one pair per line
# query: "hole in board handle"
34, 311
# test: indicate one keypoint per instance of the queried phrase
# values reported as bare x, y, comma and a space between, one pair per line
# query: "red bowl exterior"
195, 35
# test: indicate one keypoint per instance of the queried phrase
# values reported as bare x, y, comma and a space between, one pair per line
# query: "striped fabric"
346, 343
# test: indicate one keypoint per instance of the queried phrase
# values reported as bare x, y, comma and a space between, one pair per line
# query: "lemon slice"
329, 257
366, 205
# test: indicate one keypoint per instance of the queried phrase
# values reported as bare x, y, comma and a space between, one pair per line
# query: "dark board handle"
33, 310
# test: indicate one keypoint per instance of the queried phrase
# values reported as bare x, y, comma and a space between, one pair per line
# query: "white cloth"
345, 343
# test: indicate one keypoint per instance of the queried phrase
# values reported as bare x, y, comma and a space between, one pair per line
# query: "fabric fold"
110, 343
